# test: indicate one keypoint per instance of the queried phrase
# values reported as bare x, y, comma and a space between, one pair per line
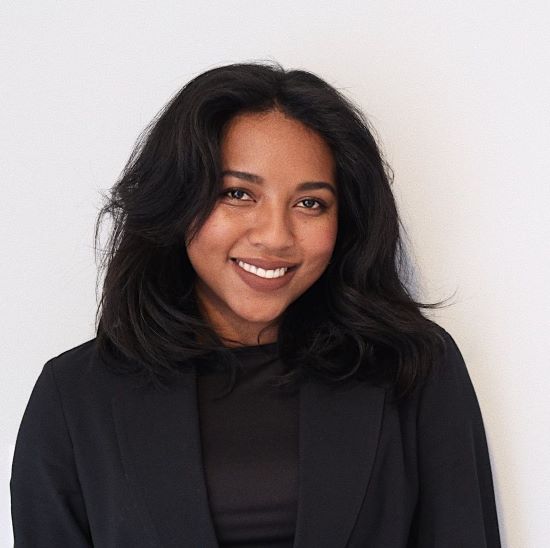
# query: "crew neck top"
249, 440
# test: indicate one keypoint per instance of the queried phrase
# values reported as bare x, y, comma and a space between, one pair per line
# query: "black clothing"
101, 461
250, 451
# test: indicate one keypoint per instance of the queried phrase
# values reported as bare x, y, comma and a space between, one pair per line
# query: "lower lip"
263, 284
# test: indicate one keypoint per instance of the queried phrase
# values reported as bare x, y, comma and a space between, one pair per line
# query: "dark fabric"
250, 451
101, 461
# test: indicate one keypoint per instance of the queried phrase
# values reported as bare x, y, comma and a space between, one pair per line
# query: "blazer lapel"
339, 432
159, 440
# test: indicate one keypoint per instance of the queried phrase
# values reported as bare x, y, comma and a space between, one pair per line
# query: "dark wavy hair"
357, 320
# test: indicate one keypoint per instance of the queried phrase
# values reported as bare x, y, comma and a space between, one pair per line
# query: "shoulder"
449, 372
74, 361
79, 374
75, 364
447, 394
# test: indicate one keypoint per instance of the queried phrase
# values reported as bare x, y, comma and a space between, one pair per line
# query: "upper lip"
265, 264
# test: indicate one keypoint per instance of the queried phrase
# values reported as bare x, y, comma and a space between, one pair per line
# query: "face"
277, 210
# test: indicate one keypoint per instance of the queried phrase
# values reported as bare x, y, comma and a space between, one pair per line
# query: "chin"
260, 319
259, 316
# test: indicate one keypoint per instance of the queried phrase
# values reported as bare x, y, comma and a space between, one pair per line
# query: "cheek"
215, 233
319, 242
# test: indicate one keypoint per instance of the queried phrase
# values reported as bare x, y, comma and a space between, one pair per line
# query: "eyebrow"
257, 179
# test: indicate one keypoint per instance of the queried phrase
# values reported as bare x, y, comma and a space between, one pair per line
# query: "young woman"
261, 376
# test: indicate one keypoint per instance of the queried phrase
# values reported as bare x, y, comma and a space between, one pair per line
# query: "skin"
273, 220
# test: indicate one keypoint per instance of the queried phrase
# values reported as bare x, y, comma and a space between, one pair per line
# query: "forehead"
273, 141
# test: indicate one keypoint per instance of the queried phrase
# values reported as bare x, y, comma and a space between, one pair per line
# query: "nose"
272, 230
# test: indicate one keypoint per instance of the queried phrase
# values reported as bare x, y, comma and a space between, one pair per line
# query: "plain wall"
459, 94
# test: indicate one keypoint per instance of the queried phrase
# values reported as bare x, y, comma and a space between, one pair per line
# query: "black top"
104, 461
250, 450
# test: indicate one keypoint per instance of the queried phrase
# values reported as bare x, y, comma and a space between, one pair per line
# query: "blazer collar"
159, 439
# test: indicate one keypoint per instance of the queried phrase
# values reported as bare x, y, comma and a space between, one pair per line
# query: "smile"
258, 278
262, 273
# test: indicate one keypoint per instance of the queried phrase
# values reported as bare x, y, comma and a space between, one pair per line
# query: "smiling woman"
261, 374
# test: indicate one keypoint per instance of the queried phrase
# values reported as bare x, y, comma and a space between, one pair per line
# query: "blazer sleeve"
456, 506
46, 500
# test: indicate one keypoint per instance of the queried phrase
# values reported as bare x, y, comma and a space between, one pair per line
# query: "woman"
260, 375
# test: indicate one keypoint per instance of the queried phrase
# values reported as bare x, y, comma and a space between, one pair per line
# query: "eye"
236, 193
320, 204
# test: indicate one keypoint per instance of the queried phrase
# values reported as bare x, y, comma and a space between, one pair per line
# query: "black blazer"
101, 461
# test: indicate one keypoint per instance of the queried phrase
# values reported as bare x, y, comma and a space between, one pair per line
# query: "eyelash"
321, 207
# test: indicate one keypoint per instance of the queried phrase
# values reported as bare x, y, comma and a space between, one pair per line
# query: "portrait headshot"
260, 297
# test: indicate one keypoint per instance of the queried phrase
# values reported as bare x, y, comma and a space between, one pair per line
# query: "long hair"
358, 320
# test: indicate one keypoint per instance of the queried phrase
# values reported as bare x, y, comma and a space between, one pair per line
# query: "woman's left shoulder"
449, 373
446, 398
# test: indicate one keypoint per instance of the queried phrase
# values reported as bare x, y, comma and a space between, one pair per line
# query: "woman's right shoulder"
75, 358
81, 371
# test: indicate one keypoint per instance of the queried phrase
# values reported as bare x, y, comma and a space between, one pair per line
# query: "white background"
459, 93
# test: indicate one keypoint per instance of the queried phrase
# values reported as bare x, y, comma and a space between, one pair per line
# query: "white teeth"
277, 273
